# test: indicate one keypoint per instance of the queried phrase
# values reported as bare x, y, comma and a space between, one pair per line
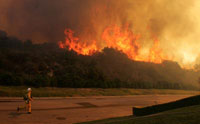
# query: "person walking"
28, 99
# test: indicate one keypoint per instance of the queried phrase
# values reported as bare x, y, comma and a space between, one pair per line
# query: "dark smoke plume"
44, 20
172, 21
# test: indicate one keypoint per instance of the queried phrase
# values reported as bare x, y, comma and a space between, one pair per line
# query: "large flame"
156, 54
119, 38
122, 40
73, 43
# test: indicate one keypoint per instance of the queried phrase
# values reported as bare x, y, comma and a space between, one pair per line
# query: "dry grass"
72, 92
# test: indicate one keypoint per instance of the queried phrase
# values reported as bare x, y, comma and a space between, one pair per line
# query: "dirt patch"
61, 118
87, 104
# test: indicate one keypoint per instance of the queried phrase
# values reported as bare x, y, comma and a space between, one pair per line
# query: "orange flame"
155, 53
120, 38
73, 43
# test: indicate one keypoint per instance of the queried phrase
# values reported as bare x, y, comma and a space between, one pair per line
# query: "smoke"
176, 23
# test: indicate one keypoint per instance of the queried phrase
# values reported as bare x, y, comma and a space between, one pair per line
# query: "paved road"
77, 109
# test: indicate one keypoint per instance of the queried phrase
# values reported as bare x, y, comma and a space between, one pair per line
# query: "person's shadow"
16, 114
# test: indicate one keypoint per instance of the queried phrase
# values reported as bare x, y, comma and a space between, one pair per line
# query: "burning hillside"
144, 30
24, 63
119, 38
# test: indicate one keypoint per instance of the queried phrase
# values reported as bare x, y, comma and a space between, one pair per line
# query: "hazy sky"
175, 22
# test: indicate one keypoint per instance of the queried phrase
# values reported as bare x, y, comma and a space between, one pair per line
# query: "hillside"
187, 115
46, 65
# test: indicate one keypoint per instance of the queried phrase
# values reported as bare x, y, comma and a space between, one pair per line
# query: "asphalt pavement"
68, 110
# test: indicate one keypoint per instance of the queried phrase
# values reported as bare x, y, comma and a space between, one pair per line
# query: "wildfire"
119, 38
155, 53
73, 43
122, 40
